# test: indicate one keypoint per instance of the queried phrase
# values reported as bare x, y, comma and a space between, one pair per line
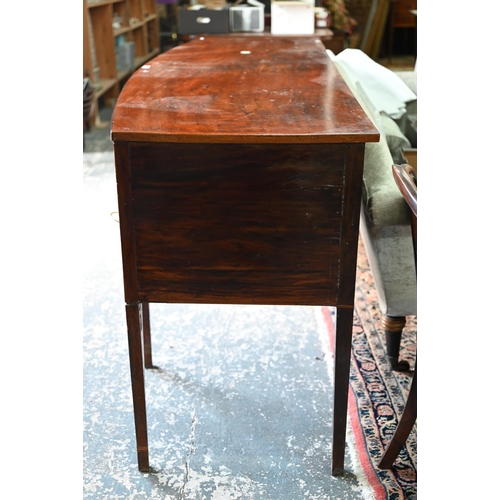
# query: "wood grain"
241, 89
237, 223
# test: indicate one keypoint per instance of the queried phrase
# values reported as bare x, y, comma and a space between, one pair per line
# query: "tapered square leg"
342, 363
138, 390
146, 335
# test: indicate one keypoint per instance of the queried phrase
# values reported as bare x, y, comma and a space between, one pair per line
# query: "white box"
292, 17
247, 17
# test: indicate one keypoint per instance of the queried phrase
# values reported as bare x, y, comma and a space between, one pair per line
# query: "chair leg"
342, 363
403, 429
137, 378
146, 335
393, 328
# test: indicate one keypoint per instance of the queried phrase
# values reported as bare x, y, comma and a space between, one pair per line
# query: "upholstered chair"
385, 225
406, 180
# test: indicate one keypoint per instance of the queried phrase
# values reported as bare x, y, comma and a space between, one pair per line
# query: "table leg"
146, 335
408, 419
138, 391
342, 363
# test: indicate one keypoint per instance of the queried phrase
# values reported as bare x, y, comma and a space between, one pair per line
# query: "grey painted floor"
239, 406
97, 139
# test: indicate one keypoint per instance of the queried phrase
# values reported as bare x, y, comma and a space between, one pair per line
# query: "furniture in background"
406, 181
240, 183
402, 15
167, 14
337, 41
118, 37
385, 225
334, 38
375, 27
88, 105
378, 20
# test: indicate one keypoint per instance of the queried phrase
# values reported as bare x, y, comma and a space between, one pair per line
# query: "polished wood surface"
335, 40
406, 180
241, 89
239, 181
323, 34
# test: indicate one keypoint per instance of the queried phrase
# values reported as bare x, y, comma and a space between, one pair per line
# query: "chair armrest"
406, 180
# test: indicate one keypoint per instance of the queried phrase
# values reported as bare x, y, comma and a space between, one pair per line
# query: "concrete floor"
97, 139
239, 406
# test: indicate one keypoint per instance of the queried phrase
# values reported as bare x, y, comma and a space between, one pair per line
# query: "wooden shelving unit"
107, 24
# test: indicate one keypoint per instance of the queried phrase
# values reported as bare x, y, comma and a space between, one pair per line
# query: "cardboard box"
292, 17
202, 20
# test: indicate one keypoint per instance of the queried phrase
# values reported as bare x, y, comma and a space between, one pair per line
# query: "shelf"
140, 24
121, 31
100, 40
124, 74
101, 3
138, 62
104, 86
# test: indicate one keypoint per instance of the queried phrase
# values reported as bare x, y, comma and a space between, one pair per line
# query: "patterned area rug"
377, 394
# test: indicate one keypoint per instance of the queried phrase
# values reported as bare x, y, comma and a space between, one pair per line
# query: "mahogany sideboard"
239, 167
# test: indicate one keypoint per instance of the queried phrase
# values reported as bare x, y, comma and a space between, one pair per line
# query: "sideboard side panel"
127, 230
238, 223
354, 159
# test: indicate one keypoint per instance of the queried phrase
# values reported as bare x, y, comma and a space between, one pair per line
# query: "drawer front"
238, 223
401, 14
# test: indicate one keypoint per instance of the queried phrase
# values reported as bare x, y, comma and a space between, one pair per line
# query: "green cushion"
396, 140
385, 206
